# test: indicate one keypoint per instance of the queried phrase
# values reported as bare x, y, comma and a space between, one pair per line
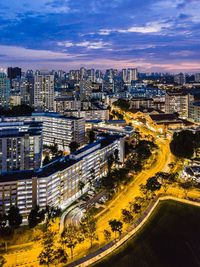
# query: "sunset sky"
153, 35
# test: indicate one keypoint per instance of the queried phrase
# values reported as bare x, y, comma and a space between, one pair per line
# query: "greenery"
81, 185
46, 160
21, 110
123, 104
35, 216
51, 254
2, 261
116, 178
185, 143
92, 136
14, 217
73, 146
116, 226
117, 114
88, 228
127, 216
153, 184
170, 238
71, 237
107, 235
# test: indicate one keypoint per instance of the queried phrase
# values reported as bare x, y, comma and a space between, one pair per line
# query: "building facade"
176, 101
20, 146
194, 111
57, 129
44, 92
57, 184
61, 130
4, 90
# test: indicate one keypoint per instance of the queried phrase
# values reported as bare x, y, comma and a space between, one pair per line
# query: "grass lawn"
170, 239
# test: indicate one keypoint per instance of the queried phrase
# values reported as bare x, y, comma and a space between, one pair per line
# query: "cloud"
158, 33
21, 53
151, 27
86, 44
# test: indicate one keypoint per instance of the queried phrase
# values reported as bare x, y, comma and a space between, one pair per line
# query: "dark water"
170, 239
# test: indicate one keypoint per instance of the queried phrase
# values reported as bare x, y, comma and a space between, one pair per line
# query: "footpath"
112, 246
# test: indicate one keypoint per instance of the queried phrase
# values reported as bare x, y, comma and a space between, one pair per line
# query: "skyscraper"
44, 92
4, 90
179, 79
129, 75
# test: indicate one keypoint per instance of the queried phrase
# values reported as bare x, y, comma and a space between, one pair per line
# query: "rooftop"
59, 164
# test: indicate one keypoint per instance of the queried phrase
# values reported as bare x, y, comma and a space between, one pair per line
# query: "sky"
152, 35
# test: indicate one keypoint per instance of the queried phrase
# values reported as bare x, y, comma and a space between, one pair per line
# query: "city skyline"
150, 35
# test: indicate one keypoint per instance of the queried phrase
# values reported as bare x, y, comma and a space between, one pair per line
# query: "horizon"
4, 70
155, 36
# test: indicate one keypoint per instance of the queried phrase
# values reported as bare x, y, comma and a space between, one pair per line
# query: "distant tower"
4, 90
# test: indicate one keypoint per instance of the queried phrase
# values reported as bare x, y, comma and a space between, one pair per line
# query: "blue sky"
153, 35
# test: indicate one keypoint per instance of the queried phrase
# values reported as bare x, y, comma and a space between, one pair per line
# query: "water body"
171, 238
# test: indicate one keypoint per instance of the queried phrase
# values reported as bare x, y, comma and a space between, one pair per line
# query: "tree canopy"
184, 144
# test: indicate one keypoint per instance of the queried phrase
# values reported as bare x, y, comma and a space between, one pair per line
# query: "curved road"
164, 157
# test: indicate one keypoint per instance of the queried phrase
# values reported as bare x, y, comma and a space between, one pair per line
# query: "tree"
6, 232
2, 261
110, 162
127, 217
116, 226
73, 146
81, 185
46, 256
92, 177
35, 216
186, 186
183, 144
46, 160
59, 256
70, 237
92, 136
146, 194
107, 235
153, 184
14, 217
54, 149
51, 213
88, 228
116, 155
136, 207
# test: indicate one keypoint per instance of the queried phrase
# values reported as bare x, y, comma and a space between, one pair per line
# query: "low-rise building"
89, 114
192, 172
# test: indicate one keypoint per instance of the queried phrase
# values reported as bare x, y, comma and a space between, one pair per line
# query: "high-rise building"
61, 130
178, 101
129, 75
4, 90
132, 75
179, 79
124, 75
91, 75
57, 184
20, 145
83, 73
194, 111
44, 92
197, 77
14, 72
